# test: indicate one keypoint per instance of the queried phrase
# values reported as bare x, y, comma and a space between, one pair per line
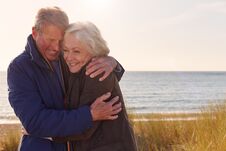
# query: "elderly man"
36, 87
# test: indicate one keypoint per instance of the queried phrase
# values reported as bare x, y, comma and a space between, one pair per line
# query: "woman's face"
75, 53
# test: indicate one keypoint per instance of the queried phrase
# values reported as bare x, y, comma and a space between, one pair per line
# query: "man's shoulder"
21, 60
23, 57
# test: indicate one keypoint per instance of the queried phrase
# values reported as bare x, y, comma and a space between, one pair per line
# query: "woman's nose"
68, 56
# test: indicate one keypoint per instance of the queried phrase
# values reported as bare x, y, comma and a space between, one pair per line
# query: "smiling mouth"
72, 64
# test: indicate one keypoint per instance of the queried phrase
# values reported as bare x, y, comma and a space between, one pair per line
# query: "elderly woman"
82, 42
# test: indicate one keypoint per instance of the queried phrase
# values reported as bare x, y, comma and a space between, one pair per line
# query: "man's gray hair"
51, 16
90, 35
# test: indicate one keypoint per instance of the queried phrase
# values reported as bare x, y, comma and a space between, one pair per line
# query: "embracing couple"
64, 89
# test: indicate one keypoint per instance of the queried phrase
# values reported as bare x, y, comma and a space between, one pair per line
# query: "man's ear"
34, 32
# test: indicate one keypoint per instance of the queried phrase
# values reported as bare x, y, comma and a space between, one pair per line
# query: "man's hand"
101, 65
101, 110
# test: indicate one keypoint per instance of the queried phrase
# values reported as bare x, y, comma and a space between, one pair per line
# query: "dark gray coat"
113, 135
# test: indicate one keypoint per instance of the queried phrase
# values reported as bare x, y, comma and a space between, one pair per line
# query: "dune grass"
205, 131
10, 141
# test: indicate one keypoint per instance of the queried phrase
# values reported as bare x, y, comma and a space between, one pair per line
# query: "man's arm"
104, 65
96, 104
37, 119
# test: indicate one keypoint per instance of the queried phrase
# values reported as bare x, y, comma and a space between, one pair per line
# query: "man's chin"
53, 58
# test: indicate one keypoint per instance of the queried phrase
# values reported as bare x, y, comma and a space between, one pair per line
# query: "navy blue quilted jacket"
36, 95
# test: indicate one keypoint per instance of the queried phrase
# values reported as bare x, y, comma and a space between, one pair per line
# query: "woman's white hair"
89, 34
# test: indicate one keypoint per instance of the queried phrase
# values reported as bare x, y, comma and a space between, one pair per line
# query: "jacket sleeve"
36, 118
92, 89
119, 71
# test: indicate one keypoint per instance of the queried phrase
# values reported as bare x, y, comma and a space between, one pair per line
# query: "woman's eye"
76, 51
65, 51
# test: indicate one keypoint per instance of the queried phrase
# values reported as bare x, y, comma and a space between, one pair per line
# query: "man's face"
48, 41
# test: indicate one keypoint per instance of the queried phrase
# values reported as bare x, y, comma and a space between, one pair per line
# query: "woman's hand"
101, 65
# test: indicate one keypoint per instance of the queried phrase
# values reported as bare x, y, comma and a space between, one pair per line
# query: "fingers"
113, 101
113, 117
101, 99
106, 74
97, 72
101, 110
94, 65
101, 65
94, 68
104, 97
93, 62
106, 70
116, 106
115, 110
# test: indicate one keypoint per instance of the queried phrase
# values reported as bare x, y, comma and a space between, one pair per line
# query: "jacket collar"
35, 55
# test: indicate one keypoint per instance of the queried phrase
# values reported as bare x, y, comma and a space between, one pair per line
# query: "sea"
153, 92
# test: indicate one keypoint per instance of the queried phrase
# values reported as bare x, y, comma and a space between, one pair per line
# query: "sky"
143, 35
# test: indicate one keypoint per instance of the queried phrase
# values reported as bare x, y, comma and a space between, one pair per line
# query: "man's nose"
56, 46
